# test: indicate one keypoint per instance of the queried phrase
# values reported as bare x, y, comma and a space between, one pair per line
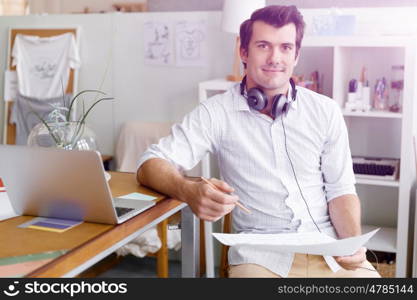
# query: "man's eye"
262, 46
287, 48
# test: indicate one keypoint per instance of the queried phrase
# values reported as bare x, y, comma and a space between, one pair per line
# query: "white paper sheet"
311, 242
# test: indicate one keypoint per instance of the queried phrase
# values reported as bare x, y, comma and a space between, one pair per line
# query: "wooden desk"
88, 243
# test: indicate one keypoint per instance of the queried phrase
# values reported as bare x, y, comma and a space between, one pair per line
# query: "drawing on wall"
191, 43
158, 43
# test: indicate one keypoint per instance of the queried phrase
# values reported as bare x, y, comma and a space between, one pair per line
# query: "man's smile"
273, 70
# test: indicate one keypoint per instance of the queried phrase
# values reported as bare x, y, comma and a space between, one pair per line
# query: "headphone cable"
295, 176
301, 193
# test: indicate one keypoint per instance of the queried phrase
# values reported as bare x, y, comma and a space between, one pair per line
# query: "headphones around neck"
257, 99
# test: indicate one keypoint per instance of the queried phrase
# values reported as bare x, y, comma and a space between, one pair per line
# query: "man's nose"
274, 56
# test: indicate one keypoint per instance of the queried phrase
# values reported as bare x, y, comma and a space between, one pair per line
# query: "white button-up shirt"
252, 158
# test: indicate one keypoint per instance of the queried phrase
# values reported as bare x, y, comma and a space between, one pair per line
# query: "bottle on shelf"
358, 98
397, 85
381, 94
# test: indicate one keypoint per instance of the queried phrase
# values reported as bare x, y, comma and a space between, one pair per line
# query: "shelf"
379, 182
373, 114
384, 240
357, 41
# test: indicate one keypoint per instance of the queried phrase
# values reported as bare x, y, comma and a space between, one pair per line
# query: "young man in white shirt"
283, 152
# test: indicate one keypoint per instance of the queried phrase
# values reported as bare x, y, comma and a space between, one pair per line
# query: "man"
289, 164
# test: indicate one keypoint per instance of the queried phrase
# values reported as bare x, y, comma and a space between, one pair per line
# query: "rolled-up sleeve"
188, 142
336, 159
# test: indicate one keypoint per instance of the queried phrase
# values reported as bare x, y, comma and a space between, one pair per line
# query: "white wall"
44, 6
70, 6
155, 93
142, 92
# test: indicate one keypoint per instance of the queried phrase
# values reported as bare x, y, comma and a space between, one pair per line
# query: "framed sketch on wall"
191, 43
158, 43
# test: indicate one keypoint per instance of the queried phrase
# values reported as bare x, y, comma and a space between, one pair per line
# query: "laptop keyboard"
120, 211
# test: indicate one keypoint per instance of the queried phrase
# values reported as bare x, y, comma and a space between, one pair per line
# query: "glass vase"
63, 135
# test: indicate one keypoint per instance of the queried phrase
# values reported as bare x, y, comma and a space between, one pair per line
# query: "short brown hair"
277, 16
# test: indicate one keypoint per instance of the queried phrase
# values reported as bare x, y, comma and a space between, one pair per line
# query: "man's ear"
243, 55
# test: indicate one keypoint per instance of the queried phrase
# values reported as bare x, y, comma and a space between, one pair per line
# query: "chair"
134, 138
224, 262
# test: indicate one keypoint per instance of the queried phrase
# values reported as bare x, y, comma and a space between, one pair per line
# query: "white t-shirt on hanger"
43, 64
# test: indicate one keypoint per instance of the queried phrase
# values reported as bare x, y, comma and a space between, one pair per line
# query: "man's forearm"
206, 202
163, 177
345, 214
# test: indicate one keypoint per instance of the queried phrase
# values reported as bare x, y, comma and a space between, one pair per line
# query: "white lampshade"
237, 11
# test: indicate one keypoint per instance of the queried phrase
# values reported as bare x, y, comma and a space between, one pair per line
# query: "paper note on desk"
305, 242
138, 196
50, 224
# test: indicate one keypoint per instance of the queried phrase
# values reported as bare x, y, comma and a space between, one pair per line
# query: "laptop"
55, 183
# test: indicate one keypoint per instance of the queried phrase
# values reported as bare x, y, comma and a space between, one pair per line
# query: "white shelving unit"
380, 134
385, 204
373, 114
385, 240
376, 182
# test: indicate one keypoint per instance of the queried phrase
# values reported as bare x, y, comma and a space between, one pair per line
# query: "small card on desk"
50, 224
138, 196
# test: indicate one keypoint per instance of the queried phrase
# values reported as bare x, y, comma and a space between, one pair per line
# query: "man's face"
271, 57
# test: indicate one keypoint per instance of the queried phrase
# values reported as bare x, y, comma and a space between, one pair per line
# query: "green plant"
62, 114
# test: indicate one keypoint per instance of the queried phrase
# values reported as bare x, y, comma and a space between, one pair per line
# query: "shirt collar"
240, 103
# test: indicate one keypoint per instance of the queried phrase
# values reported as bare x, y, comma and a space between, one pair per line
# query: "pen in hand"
215, 187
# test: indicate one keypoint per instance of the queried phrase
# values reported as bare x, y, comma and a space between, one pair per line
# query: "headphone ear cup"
286, 108
256, 99
279, 106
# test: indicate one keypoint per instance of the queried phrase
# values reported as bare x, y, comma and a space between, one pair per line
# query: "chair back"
224, 262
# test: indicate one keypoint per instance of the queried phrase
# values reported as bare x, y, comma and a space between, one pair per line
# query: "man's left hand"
354, 261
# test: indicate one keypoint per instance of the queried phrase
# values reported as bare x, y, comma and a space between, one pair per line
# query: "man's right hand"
208, 203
